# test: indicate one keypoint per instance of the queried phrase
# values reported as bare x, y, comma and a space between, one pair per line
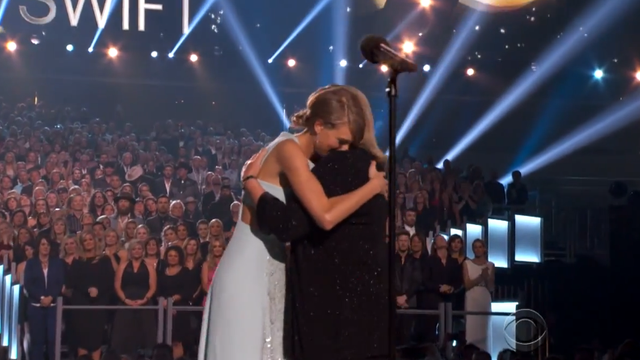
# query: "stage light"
425, 3
343, 63
12, 46
361, 66
426, 68
270, 61
384, 68
193, 57
638, 76
291, 63
170, 55
470, 71
90, 50
35, 40
69, 47
154, 54
598, 74
113, 52
408, 47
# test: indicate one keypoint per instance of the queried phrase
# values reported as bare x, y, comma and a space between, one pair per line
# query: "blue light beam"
196, 19
596, 19
340, 20
101, 28
453, 54
602, 125
307, 19
249, 54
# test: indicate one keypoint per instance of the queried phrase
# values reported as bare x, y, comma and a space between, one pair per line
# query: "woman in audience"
29, 250
142, 232
216, 249
479, 277
91, 279
135, 285
152, 253
43, 283
176, 282
113, 248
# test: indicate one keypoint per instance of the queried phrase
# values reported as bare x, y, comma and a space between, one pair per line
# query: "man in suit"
124, 202
43, 283
165, 185
162, 218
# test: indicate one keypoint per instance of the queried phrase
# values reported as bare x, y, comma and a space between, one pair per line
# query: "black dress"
181, 284
337, 302
134, 330
89, 325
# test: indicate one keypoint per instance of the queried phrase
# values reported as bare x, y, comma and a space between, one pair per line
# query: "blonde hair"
331, 105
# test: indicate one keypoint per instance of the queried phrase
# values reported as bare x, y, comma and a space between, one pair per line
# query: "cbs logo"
525, 330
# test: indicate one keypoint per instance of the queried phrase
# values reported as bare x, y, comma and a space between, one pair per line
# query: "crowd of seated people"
106, 216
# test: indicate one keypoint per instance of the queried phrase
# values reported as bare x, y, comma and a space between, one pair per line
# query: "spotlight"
384, 68
35, 40
470, 71
291, 63
154, 54
113, 52
343, 63
11, 46
638, 76
407, 47
426, 68
270, 61
193, 57
171, 55
69, 47
425, 3
598, 74
361, 66
90, 50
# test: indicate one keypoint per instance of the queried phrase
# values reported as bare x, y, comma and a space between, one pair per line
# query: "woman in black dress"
135, 284
91, 278
176, 282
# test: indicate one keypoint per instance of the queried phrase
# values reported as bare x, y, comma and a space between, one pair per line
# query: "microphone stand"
392, 94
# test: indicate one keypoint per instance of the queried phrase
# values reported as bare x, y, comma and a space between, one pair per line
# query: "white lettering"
185, 16
101, 16
125, 15
74, 14
43, 20
142, 7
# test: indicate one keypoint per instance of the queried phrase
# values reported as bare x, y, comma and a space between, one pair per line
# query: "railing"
12, 334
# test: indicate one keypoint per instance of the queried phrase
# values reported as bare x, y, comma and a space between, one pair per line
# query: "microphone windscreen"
370, 46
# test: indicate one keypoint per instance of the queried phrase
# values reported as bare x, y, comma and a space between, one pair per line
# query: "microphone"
376, 50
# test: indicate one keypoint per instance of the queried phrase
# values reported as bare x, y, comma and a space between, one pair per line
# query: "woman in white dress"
244, 313
479, 279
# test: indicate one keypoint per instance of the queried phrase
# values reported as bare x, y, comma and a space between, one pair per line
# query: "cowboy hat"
134, 173
124, 195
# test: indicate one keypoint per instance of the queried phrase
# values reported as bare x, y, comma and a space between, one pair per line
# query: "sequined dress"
244, 314
337, 284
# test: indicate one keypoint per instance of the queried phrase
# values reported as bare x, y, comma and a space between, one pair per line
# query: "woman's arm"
204, 277
153, 281
326, 212
491, 278
468, 282
118, 281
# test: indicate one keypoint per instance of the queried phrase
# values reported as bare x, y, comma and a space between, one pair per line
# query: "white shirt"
410, 229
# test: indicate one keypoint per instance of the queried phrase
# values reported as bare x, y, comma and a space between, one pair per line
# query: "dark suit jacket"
337, 281
34, 280
157, 223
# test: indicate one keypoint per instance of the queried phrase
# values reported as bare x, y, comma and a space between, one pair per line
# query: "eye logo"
525, 330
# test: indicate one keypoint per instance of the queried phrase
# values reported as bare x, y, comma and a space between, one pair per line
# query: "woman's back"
245, 306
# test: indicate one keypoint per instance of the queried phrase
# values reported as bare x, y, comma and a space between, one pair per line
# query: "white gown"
478, 299
244, 314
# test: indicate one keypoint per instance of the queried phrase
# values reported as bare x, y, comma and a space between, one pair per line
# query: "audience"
136, 215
